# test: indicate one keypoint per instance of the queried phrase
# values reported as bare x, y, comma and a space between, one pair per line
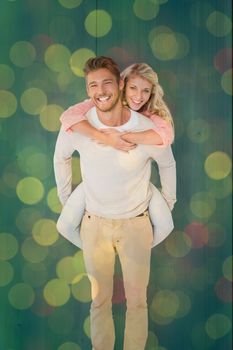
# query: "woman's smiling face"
137, 92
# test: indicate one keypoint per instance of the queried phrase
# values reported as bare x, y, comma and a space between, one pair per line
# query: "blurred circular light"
57, 57
80, 263
146, 9
26, 219
33, 100
217, 326
11, 176
53, 201
86, 327
70, 4
178, 244
227, 268
218, 165
78, 60
203, 204
50, 117
223, 289
165, 46
24, 154
22, 54
7, 273
68, 269
30, 190
198, 232
34, 163
219, 24
223, 60
33, 252
165, 303
61, 321
98, 23
45, 232
82, 290
226, 81
21, 296
65, 78
198, 130
39, 165
69, 346
8, 104
56, 292
8, 246
152, 341
164, 307
7, 77
29, 272
156, 31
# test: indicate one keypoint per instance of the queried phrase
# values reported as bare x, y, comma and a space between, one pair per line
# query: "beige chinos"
131, 239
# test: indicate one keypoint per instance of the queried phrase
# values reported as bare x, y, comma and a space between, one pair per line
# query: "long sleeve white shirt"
116, 183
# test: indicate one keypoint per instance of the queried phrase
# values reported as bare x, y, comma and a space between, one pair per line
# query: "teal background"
188, 43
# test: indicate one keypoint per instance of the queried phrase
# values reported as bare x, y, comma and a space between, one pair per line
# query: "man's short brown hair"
96, 63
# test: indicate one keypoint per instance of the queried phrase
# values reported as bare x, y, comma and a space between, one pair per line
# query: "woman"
142, 93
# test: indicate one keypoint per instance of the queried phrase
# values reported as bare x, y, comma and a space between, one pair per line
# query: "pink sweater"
76, 114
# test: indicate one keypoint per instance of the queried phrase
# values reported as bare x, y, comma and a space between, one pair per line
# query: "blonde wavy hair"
155, 104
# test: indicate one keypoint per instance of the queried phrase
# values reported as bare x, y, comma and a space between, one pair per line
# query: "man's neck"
119, 115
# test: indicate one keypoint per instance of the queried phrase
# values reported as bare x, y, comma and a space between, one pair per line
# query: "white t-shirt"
116, 183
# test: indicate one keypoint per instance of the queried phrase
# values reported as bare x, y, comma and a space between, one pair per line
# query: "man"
117, 193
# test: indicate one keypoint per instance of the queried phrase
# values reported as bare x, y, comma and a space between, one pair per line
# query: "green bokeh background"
44, 292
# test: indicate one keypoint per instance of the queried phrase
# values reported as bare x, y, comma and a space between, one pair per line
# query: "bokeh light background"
45, 294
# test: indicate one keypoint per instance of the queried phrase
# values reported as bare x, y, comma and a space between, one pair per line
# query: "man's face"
103, 89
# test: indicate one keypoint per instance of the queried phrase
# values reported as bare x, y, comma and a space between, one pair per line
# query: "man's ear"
87, 90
